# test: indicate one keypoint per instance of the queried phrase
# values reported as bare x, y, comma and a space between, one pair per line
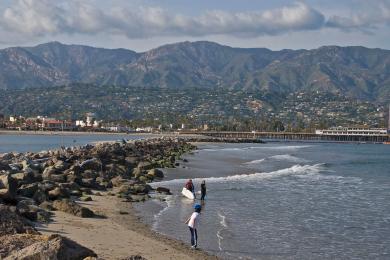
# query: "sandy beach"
120, 234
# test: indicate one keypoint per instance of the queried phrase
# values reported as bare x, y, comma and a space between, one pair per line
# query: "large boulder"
48, 172
91, 183
131, 161
117, 181
145, 165
50, 247
131, 188
73, 208
28, 210
113, 170
28, 190
75, 169
7, 156
24, 177
163, 190
52, 174
58, 193
156, 173
4, 166
8, 187
11, 222
40, 196
61, 165
91, 164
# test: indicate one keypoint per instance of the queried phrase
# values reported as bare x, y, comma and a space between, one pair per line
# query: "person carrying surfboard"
192, 223
190, 186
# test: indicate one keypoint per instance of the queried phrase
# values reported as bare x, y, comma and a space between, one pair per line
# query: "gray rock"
28, 190
163, 190
58, 193
4, 166
73, 208
47, 205
156, 173
11, 222
52, 247
145, 165
8, 187
91, 164
40, 196
86, 198
61, 165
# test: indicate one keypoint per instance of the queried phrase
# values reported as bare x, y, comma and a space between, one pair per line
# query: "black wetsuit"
203, 191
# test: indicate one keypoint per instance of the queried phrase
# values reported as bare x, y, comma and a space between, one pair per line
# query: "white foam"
287, 157
279, 157
256, 161
223, 149
284, 147
294, 170
169, 202
224, 226
223, 220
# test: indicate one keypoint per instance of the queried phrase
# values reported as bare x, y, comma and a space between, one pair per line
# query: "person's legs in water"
202, 196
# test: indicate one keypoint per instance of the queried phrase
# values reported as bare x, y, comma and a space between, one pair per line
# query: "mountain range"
358, 72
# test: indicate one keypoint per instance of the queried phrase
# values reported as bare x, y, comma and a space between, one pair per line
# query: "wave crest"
293, 170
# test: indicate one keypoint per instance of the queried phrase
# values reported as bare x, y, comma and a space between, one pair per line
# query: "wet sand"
120, 234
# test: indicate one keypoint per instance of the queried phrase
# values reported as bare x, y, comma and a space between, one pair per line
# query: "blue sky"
144, 24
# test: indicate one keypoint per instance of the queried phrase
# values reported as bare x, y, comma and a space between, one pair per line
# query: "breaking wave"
280, 157
293, 170
284, 147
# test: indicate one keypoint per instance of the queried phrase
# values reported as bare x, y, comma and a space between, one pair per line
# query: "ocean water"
36, 143
283, 201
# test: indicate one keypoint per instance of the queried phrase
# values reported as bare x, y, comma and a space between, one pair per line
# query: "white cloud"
47, 17
59, 17
377, 15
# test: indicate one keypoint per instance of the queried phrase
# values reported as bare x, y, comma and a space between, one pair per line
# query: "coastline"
129, 235
70, 133
113, 231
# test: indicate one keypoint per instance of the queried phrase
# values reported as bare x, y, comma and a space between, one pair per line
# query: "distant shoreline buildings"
90, 123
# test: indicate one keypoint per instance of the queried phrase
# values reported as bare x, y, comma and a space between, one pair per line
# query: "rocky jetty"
32, 185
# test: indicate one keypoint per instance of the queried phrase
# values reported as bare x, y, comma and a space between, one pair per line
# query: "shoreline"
69, 133
132, 236
111, 229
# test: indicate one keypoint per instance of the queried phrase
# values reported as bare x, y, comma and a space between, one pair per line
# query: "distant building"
117, 128
90, 121
81, 123
57, 125
340, 131
147, 129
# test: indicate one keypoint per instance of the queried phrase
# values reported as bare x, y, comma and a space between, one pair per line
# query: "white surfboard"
188, 194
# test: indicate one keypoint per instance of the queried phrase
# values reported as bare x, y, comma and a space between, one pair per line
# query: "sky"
141, 25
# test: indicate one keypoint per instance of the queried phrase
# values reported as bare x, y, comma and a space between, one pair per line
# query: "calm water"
284, 201
36, 143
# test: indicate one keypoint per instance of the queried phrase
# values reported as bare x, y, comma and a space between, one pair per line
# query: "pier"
290, 136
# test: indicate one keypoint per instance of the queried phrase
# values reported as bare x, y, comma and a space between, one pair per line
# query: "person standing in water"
192, 223
190, 186
202, 190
